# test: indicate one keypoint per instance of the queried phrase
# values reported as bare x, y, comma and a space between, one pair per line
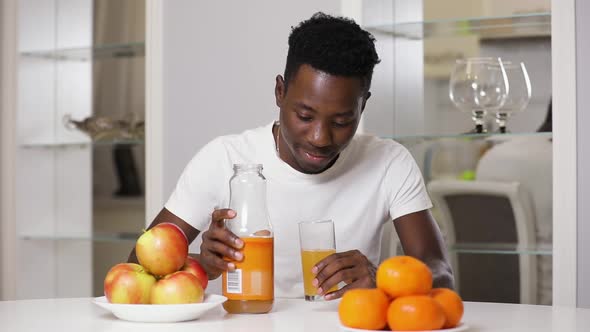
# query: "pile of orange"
404, 300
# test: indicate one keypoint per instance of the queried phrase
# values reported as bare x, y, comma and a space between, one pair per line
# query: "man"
316, 168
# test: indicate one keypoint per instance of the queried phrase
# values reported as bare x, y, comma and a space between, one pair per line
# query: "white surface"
461, 327
163, 313
76, 315
563, 54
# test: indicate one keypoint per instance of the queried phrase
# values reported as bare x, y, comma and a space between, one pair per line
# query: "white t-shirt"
373, 181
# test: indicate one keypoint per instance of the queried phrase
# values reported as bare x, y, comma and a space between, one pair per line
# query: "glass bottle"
250, 287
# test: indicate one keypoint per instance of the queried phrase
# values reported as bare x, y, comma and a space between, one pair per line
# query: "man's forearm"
210, 275
442, 274
132, 257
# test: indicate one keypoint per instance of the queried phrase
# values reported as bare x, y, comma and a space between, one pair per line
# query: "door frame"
8, 104
563, 62
154, 112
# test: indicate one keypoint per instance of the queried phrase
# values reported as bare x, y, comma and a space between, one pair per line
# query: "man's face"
319, 117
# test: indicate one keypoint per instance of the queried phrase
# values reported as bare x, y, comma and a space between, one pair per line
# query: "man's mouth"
316, 158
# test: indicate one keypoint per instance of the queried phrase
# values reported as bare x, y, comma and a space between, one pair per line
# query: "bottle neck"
246, 168
248, 199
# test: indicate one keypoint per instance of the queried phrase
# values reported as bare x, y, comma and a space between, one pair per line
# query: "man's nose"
321, 136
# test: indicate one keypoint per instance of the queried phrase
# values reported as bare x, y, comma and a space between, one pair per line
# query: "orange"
451, 304
415, 313
404, 275
364, 309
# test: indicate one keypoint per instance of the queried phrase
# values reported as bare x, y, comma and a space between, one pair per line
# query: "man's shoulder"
240, 147
250, 137
373, 146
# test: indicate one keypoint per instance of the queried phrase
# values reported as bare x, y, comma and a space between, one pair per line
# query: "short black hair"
334, 45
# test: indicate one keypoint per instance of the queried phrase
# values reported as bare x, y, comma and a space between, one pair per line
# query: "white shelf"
106, 237
111, 51
514, 26
502, 249
468, 136
69, 145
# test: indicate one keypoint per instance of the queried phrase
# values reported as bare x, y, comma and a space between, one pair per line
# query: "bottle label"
234, 282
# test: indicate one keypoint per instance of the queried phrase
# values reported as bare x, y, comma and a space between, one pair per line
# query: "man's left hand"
351, 267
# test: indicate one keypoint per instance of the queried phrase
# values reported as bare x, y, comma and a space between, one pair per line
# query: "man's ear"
367, 96
279, 90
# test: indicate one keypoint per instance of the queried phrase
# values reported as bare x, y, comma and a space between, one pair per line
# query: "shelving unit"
410, 104
64, 227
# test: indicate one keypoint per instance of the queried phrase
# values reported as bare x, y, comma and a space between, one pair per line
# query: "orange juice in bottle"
250, 287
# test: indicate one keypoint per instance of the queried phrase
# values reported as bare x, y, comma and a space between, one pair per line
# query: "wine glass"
478, 85
519, 96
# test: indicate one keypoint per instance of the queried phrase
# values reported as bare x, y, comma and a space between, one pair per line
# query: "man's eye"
342, 124
304, 118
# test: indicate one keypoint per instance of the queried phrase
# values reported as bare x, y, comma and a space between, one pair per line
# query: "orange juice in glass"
317, 242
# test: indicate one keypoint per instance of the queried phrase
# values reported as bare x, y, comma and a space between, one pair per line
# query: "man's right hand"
219, 243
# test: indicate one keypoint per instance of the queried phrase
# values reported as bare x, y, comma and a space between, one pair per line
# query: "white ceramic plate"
460, 327
160, 313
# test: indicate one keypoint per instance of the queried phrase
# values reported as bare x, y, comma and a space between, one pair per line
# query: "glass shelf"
97, 237
499, 27
136, 49
501, 249
69, 145
467, 136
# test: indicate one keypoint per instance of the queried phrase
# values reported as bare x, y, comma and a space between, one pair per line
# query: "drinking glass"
478, 85
317, 242
519, 96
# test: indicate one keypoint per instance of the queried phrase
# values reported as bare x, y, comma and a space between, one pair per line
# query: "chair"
487, 216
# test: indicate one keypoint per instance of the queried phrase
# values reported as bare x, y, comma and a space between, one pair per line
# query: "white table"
81, 315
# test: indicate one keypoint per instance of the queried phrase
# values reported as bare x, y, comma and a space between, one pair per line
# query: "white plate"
460, 327
160, 313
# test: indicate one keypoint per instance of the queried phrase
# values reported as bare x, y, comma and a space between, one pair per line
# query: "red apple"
177, 288
194, 267
128, 283
162, 249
